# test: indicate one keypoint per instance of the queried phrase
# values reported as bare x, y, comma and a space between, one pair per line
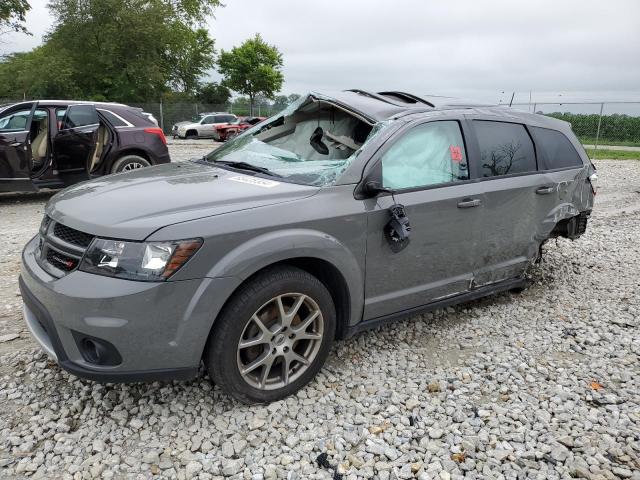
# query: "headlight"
147, 261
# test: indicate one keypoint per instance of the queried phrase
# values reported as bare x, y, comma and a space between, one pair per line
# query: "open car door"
15, 148
75, 143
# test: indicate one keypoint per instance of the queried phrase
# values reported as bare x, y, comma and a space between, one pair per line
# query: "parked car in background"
53, 144
205, 127
231, 130
195, 119
340, 213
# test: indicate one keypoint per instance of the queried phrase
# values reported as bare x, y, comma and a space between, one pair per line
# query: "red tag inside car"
456, 153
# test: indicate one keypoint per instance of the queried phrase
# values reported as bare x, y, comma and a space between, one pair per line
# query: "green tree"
253, 68
281, 102
119, 50
214, 94
12, 15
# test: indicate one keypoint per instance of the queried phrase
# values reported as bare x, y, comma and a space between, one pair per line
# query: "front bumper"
159, 329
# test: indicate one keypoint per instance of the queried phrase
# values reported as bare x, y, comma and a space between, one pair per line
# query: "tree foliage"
119, 50
214, 94
12, 15
253, 68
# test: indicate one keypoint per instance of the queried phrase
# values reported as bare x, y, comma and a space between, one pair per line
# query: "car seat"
103, 138
39, 145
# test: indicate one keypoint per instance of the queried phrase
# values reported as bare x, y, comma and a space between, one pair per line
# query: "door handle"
544, 190
469, 203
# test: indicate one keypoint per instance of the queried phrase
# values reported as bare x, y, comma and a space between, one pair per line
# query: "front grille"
61, 261
60, 248
70, 235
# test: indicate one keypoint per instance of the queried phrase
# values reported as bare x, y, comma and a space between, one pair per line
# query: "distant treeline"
614, 128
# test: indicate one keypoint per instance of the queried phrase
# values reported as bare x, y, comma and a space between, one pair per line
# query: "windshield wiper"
249, 167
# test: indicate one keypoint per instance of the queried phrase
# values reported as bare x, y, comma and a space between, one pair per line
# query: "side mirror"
374, 188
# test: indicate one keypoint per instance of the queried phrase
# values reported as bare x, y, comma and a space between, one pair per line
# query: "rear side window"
225, 118
429, 154
505, 148
80, 116
113, 119
556, 151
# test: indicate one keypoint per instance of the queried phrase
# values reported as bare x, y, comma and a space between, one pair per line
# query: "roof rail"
407, 96
371, 94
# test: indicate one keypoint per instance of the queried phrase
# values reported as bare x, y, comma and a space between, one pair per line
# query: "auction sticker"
258, 182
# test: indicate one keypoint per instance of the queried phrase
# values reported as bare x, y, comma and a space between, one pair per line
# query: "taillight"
157, 131
593, 180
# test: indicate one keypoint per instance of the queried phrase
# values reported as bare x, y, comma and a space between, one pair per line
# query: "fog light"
97, 351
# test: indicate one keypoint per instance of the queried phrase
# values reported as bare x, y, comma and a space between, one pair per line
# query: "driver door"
15, 148
427, 168
75, 143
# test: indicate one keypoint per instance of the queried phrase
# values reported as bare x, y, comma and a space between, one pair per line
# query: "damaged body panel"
355, 207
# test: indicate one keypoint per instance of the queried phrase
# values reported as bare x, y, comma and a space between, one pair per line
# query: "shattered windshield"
310, 142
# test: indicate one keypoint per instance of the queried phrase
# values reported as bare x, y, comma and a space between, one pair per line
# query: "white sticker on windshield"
258, 182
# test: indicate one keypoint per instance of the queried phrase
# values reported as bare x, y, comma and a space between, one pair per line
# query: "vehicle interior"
103, 138
39, 139
317, 130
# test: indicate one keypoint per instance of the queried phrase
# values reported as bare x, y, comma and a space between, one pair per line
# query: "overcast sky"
579, 49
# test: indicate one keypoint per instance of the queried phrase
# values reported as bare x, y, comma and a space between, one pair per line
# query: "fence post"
161, 116
595, 150
534, 107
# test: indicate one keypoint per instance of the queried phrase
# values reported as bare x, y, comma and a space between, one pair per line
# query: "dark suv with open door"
52, 143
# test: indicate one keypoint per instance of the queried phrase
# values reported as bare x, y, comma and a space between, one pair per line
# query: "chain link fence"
598, 125
170, 113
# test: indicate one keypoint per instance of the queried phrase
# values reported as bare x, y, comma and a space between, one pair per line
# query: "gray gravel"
542, 384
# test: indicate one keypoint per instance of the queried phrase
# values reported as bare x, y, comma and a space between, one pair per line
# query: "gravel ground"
542, 384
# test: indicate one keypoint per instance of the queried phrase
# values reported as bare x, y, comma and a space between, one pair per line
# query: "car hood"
133, 205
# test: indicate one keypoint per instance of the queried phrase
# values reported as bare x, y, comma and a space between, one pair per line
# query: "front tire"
127, 163
272, 337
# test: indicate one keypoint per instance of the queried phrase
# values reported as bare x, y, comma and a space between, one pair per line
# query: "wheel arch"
314, 252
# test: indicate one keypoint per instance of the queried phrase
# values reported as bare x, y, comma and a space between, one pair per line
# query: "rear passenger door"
75, 142
517, 198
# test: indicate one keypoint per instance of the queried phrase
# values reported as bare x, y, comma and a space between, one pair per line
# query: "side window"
556, 149
113, 119
227, 118
505, 148
429, 154
15, 121
208, 120
80, 116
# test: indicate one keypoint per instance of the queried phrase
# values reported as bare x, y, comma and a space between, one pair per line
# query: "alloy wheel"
132, 166
280, 341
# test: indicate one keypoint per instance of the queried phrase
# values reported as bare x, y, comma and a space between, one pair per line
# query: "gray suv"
338, 214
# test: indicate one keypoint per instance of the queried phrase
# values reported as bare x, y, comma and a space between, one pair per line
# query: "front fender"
273, 247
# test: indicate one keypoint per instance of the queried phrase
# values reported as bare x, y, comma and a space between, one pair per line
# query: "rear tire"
127, 163
272, 336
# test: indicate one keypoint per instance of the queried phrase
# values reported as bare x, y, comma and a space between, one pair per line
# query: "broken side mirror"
374, 188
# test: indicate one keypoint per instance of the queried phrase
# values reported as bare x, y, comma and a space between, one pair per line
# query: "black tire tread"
246, 294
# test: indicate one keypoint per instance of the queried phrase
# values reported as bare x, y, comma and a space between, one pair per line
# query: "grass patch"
603, 154
592, 141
